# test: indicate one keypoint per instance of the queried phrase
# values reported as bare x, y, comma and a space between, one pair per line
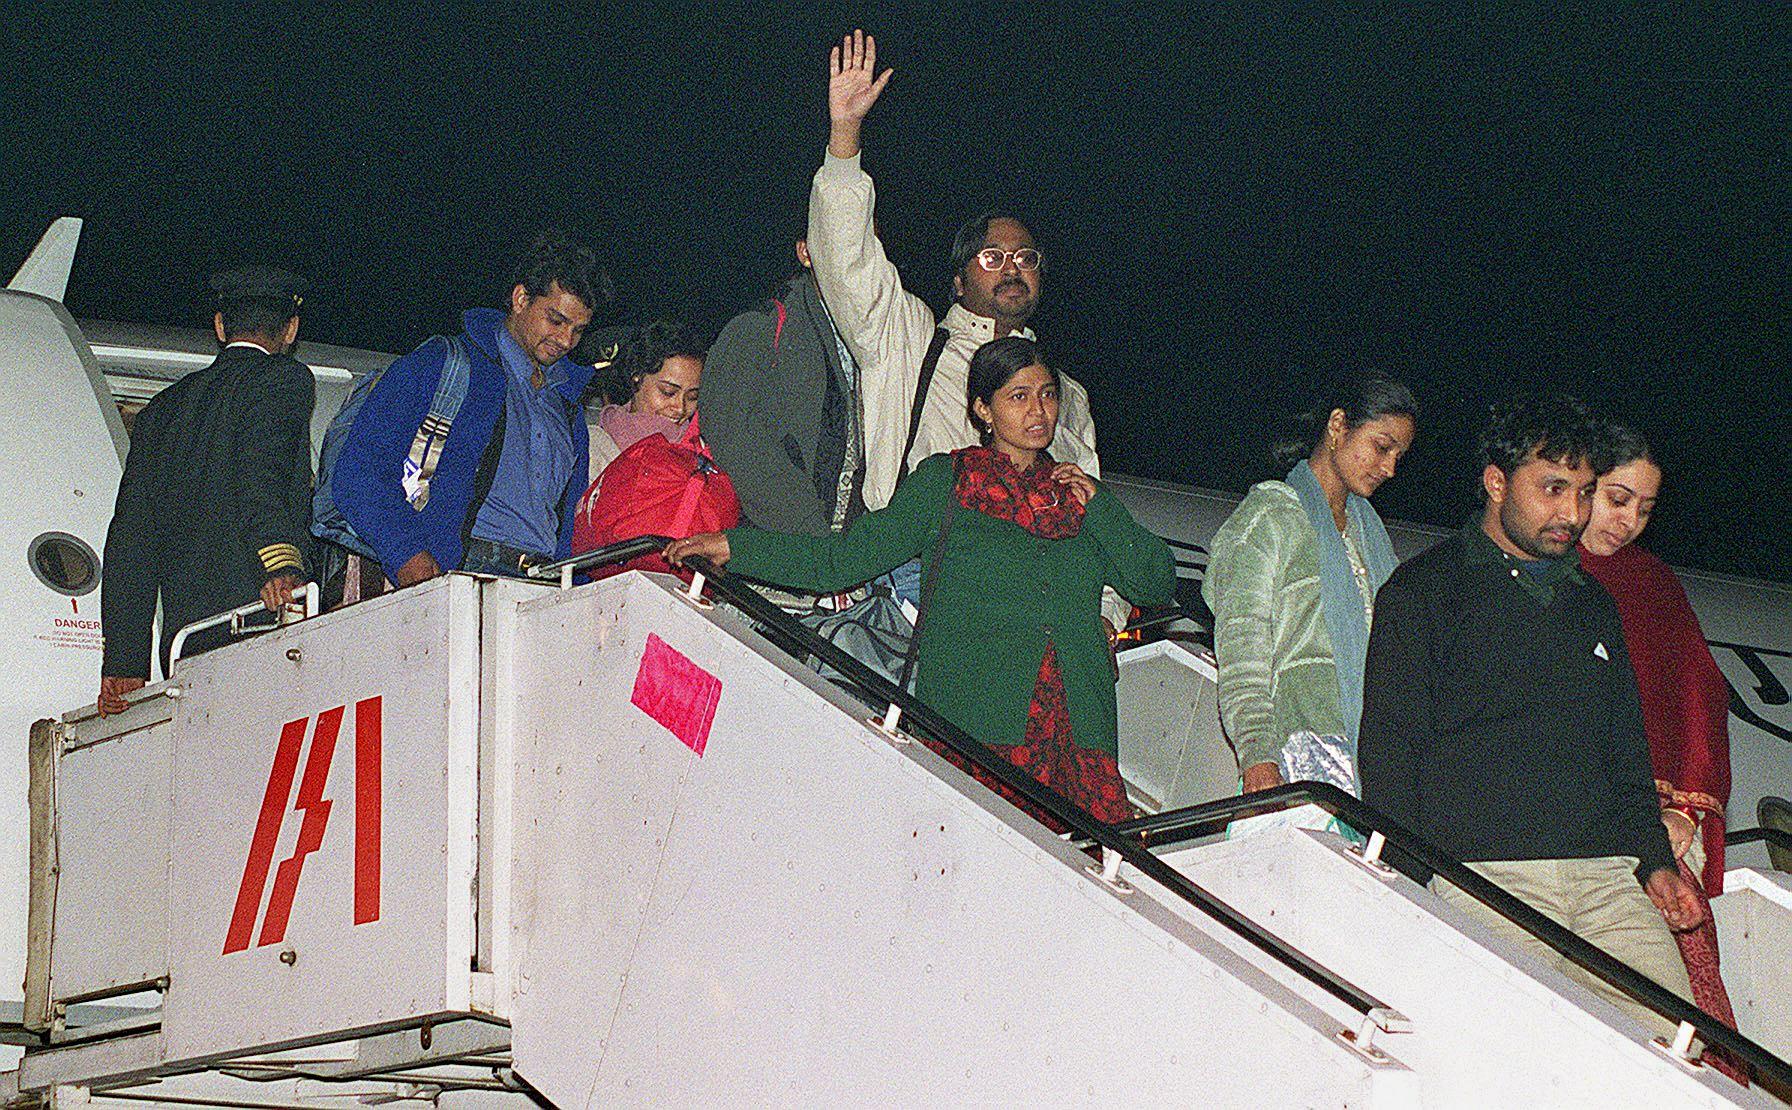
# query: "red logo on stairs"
315, 810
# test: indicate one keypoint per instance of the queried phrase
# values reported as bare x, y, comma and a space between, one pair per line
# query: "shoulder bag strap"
929, 364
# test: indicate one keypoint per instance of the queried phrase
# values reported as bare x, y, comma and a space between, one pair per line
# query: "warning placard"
73, 632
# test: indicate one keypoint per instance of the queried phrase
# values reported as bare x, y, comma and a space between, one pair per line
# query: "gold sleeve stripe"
280, 556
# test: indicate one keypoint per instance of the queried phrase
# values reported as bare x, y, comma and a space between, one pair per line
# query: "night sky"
1235, 199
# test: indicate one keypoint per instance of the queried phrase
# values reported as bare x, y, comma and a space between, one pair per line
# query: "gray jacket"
775, 412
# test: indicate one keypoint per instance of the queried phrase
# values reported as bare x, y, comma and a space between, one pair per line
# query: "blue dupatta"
1338, 596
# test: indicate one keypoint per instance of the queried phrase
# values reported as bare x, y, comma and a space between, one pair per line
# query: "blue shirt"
522, 510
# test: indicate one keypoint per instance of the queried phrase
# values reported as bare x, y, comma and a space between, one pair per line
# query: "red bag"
655, 487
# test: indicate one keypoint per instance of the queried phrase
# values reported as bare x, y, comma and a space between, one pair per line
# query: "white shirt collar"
247, 343
981, 328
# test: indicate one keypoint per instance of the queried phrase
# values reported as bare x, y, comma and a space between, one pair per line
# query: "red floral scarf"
989, 483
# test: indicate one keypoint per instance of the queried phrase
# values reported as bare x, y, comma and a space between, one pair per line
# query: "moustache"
1011, 283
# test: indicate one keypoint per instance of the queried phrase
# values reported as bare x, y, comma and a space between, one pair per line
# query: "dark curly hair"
1560, 429
553, 257
642, 354
992, 367
1363, 395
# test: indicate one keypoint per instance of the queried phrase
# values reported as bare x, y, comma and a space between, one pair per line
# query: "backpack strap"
929, 364
432, 435
928, 579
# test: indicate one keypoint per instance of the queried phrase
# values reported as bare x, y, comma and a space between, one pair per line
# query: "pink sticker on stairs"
677, 693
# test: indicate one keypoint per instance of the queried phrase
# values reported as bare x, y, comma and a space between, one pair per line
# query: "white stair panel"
1492, 1025
1754, 941
806, 914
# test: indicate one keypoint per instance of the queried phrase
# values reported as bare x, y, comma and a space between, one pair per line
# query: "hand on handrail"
707, 545
113, 689
1261, 776
278, 591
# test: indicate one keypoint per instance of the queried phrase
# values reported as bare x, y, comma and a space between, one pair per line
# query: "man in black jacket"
214, 507
1500, 713
782, 412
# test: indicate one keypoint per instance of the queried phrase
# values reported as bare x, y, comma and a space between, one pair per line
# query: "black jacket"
215, 498
1501, 727
776, 415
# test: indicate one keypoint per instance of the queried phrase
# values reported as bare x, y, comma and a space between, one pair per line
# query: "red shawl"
1686, 702
990, 483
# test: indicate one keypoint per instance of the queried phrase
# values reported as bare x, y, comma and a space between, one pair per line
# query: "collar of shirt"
247, 343
1539, 577
980, 328
520, 368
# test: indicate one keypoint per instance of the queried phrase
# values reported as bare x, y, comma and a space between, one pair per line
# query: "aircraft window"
64, 563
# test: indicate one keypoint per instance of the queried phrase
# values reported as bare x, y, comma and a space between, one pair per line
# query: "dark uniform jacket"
215, 499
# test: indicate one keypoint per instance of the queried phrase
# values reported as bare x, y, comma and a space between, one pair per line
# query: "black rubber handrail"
622, 551
918, 719
1779, 838
1192, 822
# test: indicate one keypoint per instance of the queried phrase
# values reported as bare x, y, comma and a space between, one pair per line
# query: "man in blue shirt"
513, 464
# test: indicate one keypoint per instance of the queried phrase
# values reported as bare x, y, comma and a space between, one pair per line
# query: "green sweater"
1002, 594
1277, 674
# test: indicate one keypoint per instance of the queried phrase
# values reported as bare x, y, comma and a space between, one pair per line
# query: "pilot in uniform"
214, 507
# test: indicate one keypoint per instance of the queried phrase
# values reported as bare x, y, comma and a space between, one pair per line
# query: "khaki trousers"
1598, 900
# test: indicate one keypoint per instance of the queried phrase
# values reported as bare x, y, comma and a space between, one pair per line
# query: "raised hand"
852, 90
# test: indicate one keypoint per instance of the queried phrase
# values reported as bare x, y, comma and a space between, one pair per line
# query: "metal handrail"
790, 635
234, 618
620, 552
1779, 838
1181, 825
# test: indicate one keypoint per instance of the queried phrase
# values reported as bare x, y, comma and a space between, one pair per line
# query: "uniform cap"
259, 283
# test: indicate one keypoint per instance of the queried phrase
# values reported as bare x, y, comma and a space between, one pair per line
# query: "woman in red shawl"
1686, 702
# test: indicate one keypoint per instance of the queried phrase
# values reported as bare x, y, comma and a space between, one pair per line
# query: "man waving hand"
998, 275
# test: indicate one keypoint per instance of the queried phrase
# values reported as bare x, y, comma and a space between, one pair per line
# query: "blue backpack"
327, 521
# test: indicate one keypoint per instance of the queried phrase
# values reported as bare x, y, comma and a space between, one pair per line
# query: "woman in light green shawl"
1292, 585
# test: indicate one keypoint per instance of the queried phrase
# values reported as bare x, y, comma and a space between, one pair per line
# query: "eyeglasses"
994, 258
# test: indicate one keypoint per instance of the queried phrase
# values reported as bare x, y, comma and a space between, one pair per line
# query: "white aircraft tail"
46, 272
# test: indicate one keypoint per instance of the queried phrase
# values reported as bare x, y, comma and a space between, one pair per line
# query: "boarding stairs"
489, 842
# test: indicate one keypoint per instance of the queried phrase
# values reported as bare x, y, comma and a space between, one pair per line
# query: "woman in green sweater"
1012, 648
1292, 582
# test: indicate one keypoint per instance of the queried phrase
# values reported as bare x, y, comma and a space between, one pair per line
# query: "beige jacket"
888, 330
